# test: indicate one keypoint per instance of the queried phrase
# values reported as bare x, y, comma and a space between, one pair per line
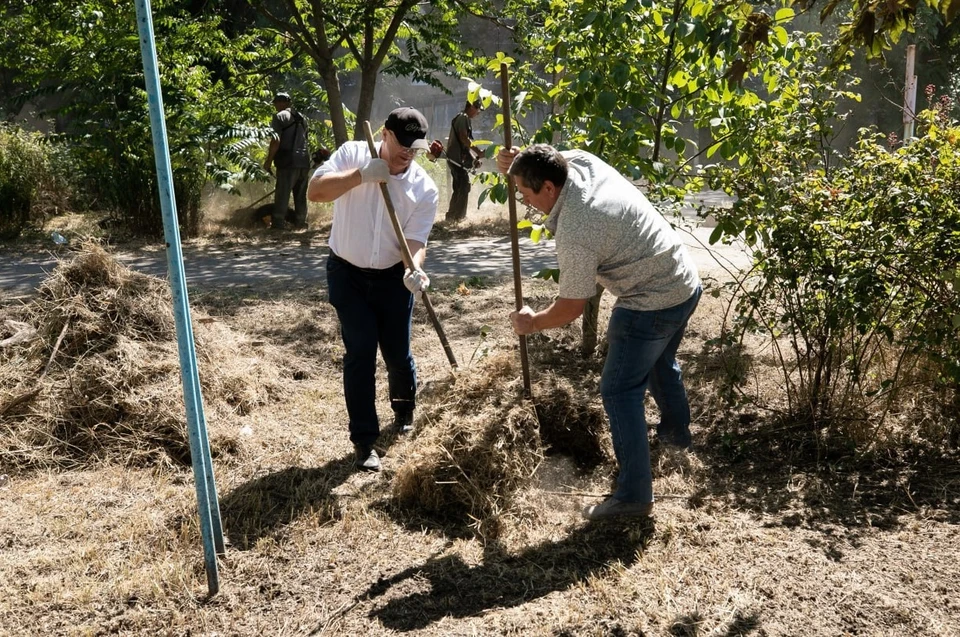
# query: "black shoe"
403, 422
367, 458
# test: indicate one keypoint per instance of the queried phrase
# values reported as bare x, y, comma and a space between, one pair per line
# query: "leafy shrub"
28, 186
857, 269
97, 95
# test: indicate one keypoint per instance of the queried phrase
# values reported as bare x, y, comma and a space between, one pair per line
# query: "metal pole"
514, 234
405, 252
910, 95
209, 508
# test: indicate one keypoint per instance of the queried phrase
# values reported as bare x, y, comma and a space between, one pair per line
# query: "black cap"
281, 97
410, 127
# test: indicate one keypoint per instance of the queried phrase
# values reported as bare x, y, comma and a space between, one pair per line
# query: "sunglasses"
406, 150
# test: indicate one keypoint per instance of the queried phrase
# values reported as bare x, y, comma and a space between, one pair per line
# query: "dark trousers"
460, 194
291, 180
375, 310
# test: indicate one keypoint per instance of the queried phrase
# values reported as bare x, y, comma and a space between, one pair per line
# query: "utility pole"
910, 95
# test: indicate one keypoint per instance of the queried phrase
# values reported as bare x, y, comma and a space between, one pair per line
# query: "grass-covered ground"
756, 531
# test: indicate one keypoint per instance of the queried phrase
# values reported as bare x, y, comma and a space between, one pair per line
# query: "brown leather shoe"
612, 507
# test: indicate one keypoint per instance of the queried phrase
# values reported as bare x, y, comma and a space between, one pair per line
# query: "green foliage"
625, 76
856, 265
874, 25
29, 185
86, 60
20, 161
548, 274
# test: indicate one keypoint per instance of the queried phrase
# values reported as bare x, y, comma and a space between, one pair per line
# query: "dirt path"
298, 259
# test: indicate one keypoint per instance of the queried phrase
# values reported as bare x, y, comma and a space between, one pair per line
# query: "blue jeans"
642, 353
375, 310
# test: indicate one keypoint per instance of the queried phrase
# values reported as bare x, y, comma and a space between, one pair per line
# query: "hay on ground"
101, 381
481, 442
476, 449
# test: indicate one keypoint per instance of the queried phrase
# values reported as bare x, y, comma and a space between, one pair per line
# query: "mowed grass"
751, 536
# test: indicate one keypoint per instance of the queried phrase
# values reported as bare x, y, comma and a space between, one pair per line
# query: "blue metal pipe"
208, 504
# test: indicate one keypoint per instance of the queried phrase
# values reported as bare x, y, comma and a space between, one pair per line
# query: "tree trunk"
331, 81
589, 324
368, 89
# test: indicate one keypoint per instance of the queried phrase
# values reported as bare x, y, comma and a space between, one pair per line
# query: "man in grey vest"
460, 159
289, 153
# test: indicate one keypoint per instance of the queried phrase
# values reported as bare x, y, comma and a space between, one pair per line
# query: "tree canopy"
407, 38
873, 25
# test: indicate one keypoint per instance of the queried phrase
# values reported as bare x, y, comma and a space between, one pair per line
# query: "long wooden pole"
514, 235
405, 252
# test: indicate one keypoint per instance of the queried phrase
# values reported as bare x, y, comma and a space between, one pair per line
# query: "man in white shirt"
367, 283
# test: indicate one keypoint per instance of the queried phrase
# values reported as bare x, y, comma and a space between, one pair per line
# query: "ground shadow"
505, 581
763, 463
769, 467
263, 506
470, 229
689, 625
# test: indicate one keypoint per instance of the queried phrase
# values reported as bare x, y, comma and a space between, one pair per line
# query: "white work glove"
416, 280
375, 170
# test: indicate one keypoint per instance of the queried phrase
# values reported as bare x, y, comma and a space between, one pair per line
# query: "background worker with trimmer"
368, 285
460, 159
288, 151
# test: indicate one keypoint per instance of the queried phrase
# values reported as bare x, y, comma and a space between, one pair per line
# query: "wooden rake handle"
405, 252
514, 234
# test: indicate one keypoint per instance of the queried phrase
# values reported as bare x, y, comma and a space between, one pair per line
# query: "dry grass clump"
101, 380
480, 443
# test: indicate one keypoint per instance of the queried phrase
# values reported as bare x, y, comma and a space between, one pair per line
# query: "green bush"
26, 179
857, 269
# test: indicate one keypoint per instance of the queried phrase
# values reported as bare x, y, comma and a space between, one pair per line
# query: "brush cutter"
437, 152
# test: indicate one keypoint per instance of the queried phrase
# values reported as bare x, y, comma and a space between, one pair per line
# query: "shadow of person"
264, 505
261, 506
502, 581
690, 625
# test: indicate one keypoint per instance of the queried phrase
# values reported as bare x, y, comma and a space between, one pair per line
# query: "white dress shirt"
362, 233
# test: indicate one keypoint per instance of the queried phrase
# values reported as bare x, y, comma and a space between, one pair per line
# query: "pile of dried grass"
479, 444
101, 381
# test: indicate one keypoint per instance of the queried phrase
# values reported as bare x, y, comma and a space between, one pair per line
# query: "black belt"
371, 271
